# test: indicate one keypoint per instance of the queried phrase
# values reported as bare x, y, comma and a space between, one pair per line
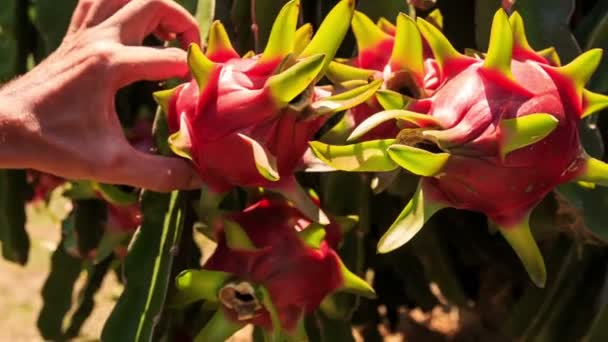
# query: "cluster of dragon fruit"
492, 132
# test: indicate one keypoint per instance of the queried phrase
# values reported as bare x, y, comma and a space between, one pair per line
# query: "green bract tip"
409, 222
200, 66
521, 240
407, 50
501, 45
282, 36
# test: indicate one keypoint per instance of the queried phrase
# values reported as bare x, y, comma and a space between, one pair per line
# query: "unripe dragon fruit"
271, 267
497, 135
246, 121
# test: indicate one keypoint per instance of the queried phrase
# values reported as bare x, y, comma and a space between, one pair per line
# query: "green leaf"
147, 269
9, 44
88, 225
368, 156
57, 293
410, 221
13, 236
86, 298
205, 12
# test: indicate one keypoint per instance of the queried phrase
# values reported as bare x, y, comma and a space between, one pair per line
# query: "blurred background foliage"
455, 281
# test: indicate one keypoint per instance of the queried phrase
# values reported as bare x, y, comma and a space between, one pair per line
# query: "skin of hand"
60, 117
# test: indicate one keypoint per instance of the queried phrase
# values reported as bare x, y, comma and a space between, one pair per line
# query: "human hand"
60, 118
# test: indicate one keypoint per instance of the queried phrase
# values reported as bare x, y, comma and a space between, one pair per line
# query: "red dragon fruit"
246, 121
498, 134
271, 267
385, 52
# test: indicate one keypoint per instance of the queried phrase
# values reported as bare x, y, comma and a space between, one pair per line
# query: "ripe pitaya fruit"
246, 121
385, 53
271, 267
498, 134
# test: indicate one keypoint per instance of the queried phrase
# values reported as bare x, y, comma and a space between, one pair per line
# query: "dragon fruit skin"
284, 135
246, 121
496, 136
281, 254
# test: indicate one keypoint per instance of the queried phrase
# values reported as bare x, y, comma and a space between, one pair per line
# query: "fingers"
140, 18
157, 173
79, 15
102, 10
151, 64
